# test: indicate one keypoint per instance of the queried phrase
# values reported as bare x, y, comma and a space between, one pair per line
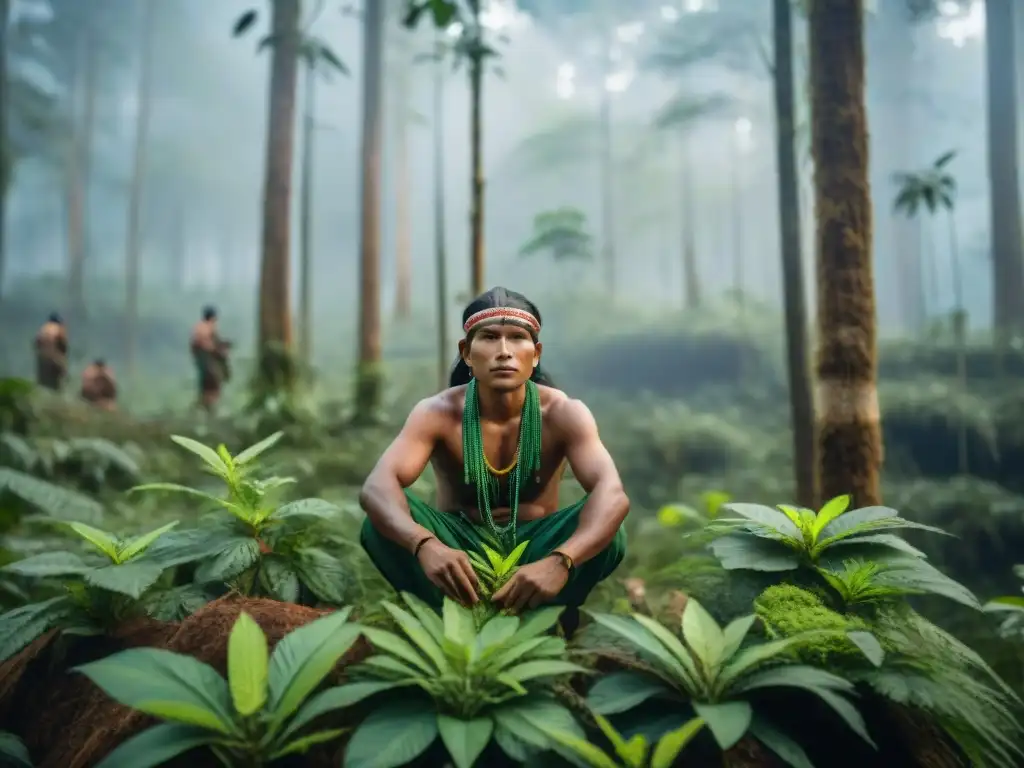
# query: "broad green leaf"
176, 488
333, 699
832, 509
207, 454
279, 579
459, 626
633, 752
302, 659
869, 646
883, 539
749, 553
767, 516
645, 643
465, 740
392, 667
854, 519
513, 558
131, 579
157, 746
537, 622
1008, 603
592, 756
494, 558
674, 742
253, 451
237, 557
755, 655
22, 625
140, 544
427, 616
530, 670
13, 752
303, 744
673, 645
247, 665
735, 633
317, 508
47, 564
165, 684
392, 736
703, 634
103, 541
531, 719
779, 743
675, 515
419, 635
497, 631
389, 642
621, 691
728, 721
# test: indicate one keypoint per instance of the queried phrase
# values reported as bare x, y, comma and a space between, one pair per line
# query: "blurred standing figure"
52, 353
210, 353
98, 385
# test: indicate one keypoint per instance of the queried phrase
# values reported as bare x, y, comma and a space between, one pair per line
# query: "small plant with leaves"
761, 538
493, 570
713, 670
868, 582
261, 547
632, 753
260, 714
113, 582
1011, 607
446, 679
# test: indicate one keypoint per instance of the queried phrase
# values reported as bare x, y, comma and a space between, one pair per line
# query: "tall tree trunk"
368, 378
440, 249
476, 216
274, 336
801, 403
306, 220
691, 274
959, 336
607, 191
6, 155
1004, 181
403, 190
850, 440
78, 173
179, 245
133, 239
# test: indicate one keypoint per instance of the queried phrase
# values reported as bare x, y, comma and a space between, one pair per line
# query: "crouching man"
499, 440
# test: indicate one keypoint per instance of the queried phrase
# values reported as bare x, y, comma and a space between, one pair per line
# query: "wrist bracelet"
420, 543
566, 560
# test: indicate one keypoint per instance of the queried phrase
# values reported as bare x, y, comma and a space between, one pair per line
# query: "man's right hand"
450, 571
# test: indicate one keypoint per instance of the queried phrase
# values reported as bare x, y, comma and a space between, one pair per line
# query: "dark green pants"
456, 530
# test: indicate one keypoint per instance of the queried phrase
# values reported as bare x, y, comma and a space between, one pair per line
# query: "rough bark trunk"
476, 216
78, 172
368, 377
133, 239
1004, 181
440, 248
274, 335
6, 156
801, 403
306, 221
850, 441
403, 190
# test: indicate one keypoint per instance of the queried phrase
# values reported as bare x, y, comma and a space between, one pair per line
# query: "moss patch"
788, 610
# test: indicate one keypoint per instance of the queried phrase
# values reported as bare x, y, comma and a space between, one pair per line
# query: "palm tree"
801, 402
368, 374
932, 189
850, 440
133, 244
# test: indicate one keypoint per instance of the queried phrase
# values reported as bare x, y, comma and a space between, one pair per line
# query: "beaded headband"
510, 315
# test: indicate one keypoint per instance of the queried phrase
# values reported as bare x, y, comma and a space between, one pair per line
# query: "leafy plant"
101, 588
260, 547
472, 686
634, 753
16, 412
869, 582
785, 538
493, 570
1012, 608
90, 462
256, 716
712, 670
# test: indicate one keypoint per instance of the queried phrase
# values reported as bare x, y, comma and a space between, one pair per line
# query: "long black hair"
497, 297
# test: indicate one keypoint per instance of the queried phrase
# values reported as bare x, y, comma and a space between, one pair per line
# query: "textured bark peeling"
849, 428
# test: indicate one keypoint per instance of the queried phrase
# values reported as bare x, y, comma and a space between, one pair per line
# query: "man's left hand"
533, 585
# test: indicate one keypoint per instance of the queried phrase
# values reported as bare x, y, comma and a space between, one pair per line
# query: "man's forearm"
600, 519
388, 510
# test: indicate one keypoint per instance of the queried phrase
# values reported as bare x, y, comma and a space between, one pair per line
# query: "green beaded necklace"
475, 463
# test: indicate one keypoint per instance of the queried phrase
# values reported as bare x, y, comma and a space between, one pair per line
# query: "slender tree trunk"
6, 154
306, 221
801, 403
850, 440
274, 337
476, 217
959, 336
440, 250
403, 190
134, 239
368, 378
691, 274
738, 271
179, 255
78, 173
607, 192
1004, 181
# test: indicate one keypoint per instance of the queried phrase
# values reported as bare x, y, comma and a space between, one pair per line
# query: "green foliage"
714, 670
1011, 607
314, 52
15, 405
255, 717
472, 686
932, 188
493, 570
255, 544
562, 234
92, 463
632, 753
13, 752
113, 582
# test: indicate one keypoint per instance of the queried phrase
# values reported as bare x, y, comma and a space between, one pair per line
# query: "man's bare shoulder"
567, 414
441, 407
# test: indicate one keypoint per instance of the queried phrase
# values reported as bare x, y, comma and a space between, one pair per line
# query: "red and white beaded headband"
510, 315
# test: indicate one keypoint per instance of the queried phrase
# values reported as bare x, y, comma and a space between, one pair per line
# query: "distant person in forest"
499, 440
98, 385
52, 353
210, 353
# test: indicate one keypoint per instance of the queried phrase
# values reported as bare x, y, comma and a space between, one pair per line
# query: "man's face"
502, 357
